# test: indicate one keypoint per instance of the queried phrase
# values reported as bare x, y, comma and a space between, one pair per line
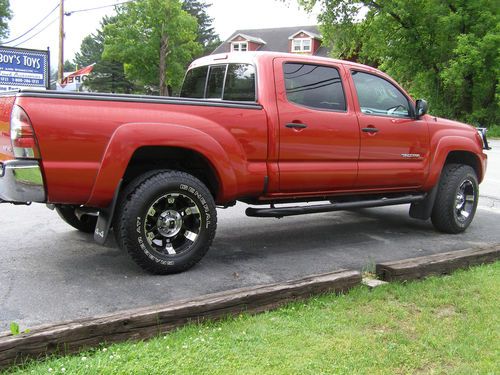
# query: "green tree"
108, 76
90, 51
92, 46
5, 16
155, 39
69, 66
206, 32
445, 51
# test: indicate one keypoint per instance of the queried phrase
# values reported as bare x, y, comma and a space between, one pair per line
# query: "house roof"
249, 38
310, 33
276, 39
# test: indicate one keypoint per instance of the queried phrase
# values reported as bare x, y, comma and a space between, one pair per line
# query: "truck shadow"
332, 232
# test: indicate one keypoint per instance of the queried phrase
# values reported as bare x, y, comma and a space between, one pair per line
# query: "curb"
438, 264
143, 323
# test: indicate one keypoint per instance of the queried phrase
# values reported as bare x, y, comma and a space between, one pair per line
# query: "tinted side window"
314, 86
215, 82
377, 96
240, 82
194, 83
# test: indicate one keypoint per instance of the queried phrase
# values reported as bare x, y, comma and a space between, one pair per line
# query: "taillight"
22, 135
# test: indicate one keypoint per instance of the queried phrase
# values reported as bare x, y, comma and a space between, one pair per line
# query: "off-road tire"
86, 224
166, 220
446, 215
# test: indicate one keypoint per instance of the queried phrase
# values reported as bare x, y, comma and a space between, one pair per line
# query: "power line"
43, 19
31, 37
103, 6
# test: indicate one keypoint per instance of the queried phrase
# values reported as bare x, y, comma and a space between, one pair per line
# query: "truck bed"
74, 130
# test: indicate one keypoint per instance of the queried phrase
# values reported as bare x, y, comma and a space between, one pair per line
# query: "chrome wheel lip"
465, 200
172, 224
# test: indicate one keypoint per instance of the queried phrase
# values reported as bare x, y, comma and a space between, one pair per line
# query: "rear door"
394, 150
318, 129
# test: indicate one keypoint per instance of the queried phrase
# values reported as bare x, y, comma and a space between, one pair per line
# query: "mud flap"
105, 219
423, 210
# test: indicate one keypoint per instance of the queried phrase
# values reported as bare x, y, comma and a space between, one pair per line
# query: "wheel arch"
147, 158
467, 158
136, 143
458, 150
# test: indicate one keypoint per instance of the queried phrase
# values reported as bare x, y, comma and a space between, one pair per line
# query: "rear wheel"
456, 200
166, 221
85, 223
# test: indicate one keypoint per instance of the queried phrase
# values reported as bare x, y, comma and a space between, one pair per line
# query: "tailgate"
6, 104
21, 178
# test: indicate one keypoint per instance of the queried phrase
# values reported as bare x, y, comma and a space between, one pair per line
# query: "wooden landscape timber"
144, 323
437, 264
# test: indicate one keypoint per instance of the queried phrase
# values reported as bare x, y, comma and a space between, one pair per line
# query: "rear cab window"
215, 83
235, 82
194, 83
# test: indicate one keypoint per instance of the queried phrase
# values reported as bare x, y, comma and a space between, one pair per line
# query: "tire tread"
442, 216
134, 191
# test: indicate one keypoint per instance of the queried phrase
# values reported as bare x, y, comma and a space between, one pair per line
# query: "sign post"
24, 69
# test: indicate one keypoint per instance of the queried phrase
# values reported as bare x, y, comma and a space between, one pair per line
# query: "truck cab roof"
252, 57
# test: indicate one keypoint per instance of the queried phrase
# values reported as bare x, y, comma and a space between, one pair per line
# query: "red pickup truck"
261, 128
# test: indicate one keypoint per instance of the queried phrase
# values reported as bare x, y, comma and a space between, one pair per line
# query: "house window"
239, 46
301, 45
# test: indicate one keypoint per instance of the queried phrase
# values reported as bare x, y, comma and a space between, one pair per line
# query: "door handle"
294, 125
370, 130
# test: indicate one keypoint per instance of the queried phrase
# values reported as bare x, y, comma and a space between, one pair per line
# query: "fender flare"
131, 136
444, 146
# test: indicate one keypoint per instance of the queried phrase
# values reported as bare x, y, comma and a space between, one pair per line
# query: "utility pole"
60, 68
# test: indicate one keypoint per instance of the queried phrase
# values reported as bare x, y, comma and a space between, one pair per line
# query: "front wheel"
166, 221
456, 200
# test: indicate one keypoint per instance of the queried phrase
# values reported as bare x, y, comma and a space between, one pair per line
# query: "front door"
318, 129
394, 149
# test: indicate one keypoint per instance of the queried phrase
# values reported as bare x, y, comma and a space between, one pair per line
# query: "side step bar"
302, 210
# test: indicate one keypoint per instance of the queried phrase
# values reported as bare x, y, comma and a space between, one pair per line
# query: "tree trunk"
163, 65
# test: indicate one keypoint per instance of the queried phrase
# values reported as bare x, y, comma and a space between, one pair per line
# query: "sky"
228, 15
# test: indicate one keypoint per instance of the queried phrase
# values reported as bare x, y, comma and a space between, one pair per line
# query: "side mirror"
421, 108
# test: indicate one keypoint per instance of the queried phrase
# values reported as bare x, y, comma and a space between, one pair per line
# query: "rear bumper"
21, 181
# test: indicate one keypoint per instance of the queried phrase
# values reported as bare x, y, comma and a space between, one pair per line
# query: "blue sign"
23, 68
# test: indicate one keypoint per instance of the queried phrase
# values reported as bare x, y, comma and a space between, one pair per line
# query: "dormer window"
301, 45
242, 43
304, 41
239, 46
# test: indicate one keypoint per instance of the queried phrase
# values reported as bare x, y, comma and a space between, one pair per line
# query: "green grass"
443, 325
493, 131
